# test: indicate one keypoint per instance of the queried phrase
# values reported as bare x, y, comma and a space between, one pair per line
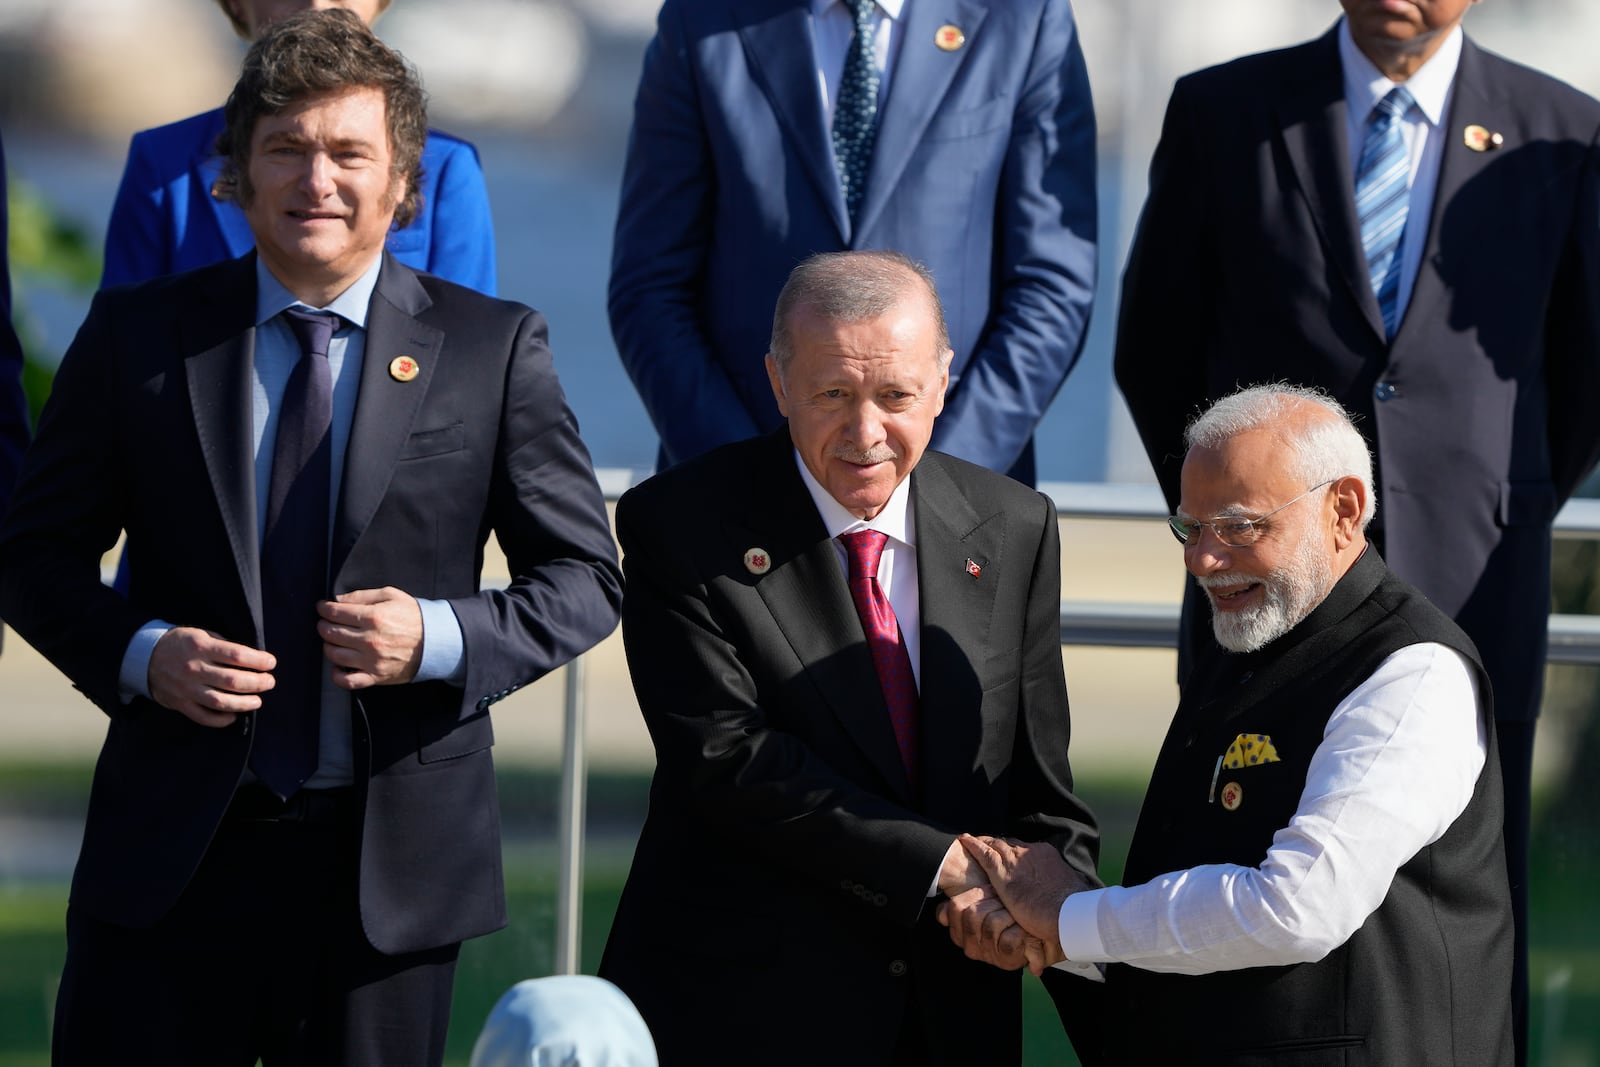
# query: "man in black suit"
293, 821
813, 769
1464, 334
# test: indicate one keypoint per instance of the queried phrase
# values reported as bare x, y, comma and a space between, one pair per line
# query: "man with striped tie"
1412, 223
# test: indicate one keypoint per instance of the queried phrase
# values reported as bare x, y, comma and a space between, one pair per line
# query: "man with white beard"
1319, 863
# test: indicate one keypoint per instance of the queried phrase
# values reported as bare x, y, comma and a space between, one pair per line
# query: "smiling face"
861, 397
322, 191
1260, 592
1400, 35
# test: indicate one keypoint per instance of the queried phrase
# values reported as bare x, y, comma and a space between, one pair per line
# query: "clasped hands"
1004, 901
370, 636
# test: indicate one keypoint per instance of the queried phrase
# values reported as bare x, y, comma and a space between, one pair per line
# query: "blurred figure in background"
962, 136
166, 219
1413, 224
13, 401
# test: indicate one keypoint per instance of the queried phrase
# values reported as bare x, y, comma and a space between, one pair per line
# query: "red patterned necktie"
863, 549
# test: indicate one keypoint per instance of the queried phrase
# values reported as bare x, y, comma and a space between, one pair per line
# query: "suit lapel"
781, 53
806, 594
957, 612
385, 407
1475, 100
922, 74
221, 336
1311, 119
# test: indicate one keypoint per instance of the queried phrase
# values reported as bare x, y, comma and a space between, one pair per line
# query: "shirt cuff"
133, 680
1078, 926
444, 653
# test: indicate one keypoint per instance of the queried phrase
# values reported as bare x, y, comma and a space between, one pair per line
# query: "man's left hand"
374, 637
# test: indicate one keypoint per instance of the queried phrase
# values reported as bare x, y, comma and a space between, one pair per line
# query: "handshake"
1004, 900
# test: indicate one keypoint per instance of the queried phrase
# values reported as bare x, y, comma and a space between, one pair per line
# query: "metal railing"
1574, 639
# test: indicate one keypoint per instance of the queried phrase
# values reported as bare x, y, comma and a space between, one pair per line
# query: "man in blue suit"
166, 219
979, 162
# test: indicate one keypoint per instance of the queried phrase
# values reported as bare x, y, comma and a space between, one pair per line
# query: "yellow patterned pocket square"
1248, 750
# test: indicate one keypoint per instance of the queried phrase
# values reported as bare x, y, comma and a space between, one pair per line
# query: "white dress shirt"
1422, 127
833, 26
1398, 763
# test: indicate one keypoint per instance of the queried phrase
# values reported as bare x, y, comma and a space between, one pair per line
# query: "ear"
775, 379
944, 381
1349, 502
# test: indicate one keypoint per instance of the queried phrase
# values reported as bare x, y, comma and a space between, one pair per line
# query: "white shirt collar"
1365, 84
890, 8
894, 519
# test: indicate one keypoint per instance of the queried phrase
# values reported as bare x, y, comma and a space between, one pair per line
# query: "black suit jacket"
148, 430
13, 404
1247, 268
777, 908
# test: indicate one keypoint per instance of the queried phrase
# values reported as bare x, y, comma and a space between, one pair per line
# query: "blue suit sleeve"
136, 246
461, 247
658, 260
1045, 258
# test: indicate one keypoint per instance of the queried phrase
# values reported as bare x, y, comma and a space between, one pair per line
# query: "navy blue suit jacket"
983, 168
148, 430
1247, 267
165, 219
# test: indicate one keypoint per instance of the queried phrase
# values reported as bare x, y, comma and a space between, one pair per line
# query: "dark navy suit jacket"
165, 219
13, 404
148, 430
983, 169
1247, 267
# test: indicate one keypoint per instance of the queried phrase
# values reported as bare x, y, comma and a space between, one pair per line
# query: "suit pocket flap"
433, 442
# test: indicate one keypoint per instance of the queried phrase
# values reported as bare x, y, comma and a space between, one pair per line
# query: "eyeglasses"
1235, 533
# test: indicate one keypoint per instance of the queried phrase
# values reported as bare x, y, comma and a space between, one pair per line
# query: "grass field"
1566, 961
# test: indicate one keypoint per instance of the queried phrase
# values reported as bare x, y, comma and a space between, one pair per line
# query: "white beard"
1289, 595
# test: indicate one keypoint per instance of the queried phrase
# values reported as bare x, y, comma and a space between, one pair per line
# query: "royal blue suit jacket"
165, 219
13, 403
1247, 267
983, 168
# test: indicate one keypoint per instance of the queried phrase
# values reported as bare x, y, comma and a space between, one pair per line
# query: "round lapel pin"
757, 561
1481, 140
1232, 796
403, 368
949, 37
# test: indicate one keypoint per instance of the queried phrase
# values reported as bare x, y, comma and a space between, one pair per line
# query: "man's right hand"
205, 678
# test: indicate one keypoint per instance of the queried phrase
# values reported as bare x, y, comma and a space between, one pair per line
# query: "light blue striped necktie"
1383, 193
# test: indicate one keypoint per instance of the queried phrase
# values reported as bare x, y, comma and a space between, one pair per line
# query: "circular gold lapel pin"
757, 561
949, 37
1232, 796
1481, 140
403, 368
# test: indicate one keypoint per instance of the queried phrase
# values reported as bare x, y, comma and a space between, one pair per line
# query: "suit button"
897, 968
1385, 391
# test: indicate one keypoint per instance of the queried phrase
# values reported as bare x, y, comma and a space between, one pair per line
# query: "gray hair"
848, 287
1323, 449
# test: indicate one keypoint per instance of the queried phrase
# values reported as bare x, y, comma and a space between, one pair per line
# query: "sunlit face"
257, 15
1260, 592
861, 398
322, 191
1386, 25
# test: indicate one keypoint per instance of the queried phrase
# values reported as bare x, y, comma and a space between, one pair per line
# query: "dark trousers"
262, 957
1516, 766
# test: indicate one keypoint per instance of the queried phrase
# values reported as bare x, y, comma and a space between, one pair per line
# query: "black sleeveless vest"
1427, 978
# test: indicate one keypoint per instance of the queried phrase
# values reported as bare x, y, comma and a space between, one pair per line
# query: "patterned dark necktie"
864, 549
855, 111
294, 561
1383, 195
